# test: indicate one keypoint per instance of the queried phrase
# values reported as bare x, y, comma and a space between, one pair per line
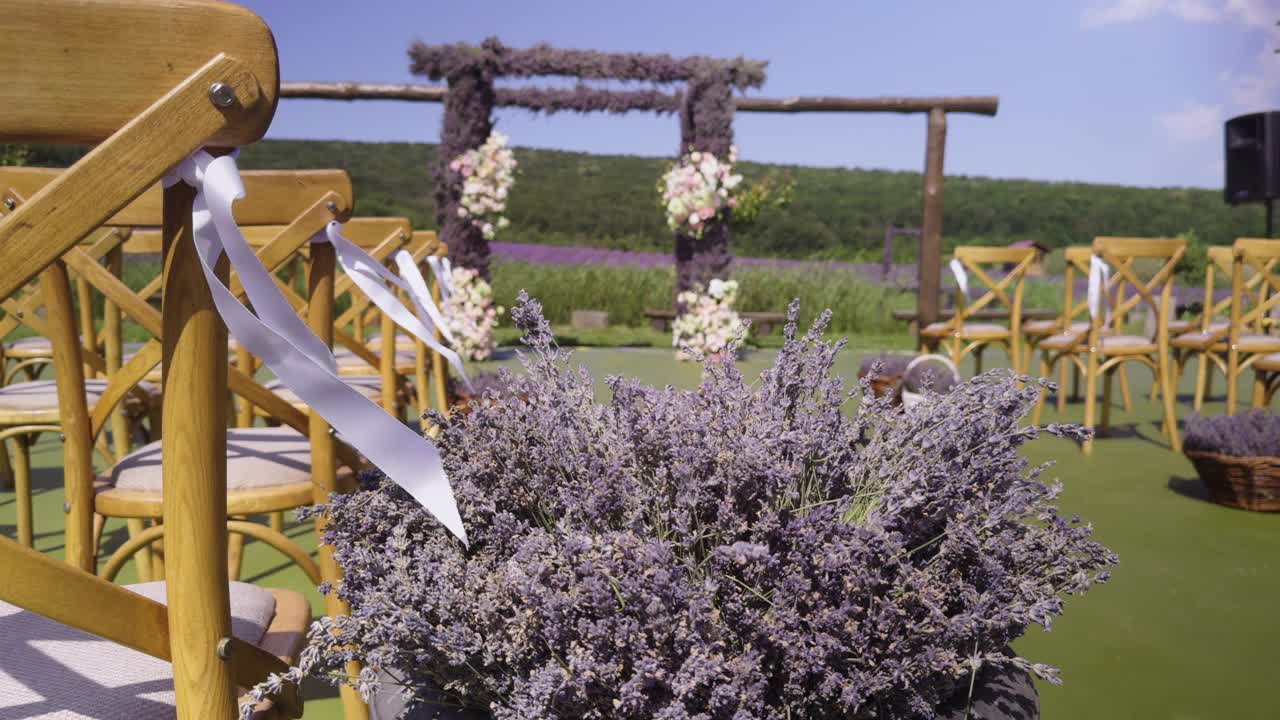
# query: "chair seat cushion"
351, 364
1178, 327
54, 672
1268, 363
36, 346
403, 342
40, 397
1048, 327
369, 386
1130, 344
1259, 343
974, 330
256, 458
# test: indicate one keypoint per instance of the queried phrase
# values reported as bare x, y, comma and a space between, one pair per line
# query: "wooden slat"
73, 76
272, 197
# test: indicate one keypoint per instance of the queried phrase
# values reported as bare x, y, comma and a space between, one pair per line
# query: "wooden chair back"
1258, 256
1007, 290
1123, 256
194, 74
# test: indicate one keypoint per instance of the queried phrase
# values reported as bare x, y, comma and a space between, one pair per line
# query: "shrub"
745, 549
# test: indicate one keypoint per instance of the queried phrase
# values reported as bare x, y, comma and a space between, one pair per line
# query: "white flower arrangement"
487, 175
471, 314
697, 188
709, 322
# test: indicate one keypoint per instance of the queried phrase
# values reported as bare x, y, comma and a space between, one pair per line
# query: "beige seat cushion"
256, 458
35, 346
1268, 363
403, 342
977, 330
1048, 327
369, 386
37, 401
54, 672
1259, 343
351, 364
1109, 343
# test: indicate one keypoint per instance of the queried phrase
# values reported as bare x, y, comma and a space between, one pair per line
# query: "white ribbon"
962, 276
420, 294
444, 276
1099, 276
298, 358
372, 278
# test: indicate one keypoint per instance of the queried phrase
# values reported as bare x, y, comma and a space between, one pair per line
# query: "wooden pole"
73, 411
930, 261
416, 92
194, 472
320, 278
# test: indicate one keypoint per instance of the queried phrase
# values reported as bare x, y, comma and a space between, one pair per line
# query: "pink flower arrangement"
709, 323
487, 175
471, 314
697, 188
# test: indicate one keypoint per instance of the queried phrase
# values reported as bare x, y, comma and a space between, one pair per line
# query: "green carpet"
1184, 631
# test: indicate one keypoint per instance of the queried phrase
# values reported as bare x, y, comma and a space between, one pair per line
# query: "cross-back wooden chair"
1104, 352
1207, 342
1074, 321
959, 336
267, 467
195, 74
1247, 343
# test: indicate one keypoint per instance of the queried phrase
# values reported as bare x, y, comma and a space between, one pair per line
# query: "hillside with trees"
568, 198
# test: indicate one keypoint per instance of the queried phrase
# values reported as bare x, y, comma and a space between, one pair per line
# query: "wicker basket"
884, 385
912, 399
1248, 483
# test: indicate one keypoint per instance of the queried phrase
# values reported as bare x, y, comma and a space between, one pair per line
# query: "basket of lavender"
493, 385
753, 548
1236, 458
884, 373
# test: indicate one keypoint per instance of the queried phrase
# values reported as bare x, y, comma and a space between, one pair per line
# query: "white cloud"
1194, 122
1124, 11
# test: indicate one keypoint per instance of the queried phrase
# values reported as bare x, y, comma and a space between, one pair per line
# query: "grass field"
1184, 631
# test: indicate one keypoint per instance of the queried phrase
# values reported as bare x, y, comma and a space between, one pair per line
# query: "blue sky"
1116, 91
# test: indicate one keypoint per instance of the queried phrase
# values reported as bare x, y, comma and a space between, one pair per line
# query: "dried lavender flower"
1252, 434
742, 550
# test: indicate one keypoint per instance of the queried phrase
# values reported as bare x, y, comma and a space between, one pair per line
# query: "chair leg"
235, 552
99, 522
1045, 369
1090, 397
1061, 396
1124, 389
1233, 379
1202, 381
1208, 377
977, 359
275, 521
157, 555
1107, 380
6, 468
142, 559
22, 490
1259, 390
1166, 399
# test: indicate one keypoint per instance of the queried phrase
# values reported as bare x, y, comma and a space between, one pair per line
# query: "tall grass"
858, 306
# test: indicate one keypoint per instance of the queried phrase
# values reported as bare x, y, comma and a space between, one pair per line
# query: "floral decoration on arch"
709, 323
471, 314
488, 173
697, 189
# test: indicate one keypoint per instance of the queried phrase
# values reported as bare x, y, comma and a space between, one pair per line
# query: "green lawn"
1184, 631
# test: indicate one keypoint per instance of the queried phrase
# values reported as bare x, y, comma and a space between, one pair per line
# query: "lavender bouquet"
742, 550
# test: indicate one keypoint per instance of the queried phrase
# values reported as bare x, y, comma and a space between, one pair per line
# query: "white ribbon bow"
1099, 276
297, 357
962, 276
372, 278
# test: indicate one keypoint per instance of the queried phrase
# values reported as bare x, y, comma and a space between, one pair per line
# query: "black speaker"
1253, 157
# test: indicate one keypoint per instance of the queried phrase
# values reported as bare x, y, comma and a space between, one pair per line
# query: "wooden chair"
1103, 353
194, 74
959, 336
1207, 342
1246, 342
1266, 373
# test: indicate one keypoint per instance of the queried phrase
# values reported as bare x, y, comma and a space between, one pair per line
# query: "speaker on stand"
1253, 160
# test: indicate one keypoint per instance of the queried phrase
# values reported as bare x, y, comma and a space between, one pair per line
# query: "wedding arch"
706, 108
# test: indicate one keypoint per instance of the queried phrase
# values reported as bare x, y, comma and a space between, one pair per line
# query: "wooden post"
930, 261
194, 472
77, 446
323, 465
